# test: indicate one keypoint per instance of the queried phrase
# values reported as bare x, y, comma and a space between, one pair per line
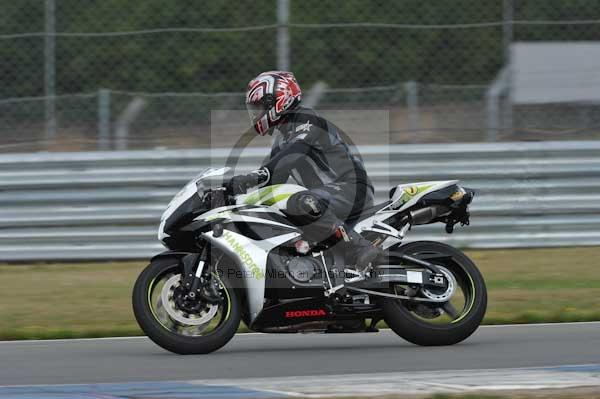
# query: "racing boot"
359, 251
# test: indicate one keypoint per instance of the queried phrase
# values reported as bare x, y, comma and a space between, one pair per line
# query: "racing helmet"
270, 95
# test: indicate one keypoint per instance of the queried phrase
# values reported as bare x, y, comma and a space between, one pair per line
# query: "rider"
314, 153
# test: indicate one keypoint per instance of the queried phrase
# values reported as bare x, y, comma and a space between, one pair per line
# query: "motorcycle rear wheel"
168, 328
426, 326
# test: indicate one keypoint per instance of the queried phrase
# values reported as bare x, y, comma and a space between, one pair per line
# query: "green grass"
575, 393
541, 285
67, 300
93, 300
571, 393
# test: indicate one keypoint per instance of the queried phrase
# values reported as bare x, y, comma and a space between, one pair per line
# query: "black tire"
415, 330
177, 343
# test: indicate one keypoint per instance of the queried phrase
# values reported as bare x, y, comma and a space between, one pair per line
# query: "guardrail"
106, 205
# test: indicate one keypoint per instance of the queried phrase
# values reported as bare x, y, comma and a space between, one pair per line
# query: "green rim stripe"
151, 285
472, 301
150, 288
226, 293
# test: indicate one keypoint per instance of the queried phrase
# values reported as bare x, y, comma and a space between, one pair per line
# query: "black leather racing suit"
314, 153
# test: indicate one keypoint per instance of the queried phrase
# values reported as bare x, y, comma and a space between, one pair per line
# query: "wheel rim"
444, 294
206, 320
460, 301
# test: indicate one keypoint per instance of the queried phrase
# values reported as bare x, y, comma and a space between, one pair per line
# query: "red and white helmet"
269, 96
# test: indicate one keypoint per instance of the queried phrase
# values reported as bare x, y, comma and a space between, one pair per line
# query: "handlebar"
218, 197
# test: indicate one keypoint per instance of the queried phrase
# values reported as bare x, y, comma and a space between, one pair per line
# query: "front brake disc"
168, 300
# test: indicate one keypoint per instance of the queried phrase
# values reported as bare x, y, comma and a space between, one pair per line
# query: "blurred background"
119, 74
108, 107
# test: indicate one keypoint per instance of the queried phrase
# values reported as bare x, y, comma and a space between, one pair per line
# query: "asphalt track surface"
262, 355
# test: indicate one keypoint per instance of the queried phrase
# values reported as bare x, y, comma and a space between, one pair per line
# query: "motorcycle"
239, 258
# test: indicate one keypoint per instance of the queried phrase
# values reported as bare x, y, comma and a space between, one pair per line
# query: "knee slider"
306, 207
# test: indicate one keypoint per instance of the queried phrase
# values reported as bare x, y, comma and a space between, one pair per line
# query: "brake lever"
222, 197
217, 197
228, 197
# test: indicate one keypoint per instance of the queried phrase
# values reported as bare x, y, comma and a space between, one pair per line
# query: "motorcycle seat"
368, 212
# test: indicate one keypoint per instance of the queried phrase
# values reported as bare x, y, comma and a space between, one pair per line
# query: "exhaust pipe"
426, 215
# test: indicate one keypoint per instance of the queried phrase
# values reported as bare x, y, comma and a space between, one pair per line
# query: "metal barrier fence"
71, 69
106, 205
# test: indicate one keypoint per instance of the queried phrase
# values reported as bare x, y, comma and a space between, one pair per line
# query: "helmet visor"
256, 110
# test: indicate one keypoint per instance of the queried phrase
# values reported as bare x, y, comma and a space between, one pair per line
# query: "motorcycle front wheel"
178, 325
460, 307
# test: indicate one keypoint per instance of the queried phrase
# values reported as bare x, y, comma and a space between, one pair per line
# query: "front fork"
198, 279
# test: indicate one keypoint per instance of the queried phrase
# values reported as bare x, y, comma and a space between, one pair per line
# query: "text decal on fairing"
290, 314
245, 256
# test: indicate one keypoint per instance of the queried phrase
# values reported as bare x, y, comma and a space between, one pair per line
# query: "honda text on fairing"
234, 258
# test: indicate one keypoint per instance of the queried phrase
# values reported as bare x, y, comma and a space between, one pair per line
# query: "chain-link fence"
115, 74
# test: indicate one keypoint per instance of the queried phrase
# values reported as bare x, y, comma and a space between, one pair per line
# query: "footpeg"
358, 276
333, 290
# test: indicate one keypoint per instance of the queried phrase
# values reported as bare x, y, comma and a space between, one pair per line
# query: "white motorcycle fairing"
251, 254
405, 196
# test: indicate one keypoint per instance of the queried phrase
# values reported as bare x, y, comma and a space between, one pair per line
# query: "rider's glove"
241, 183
